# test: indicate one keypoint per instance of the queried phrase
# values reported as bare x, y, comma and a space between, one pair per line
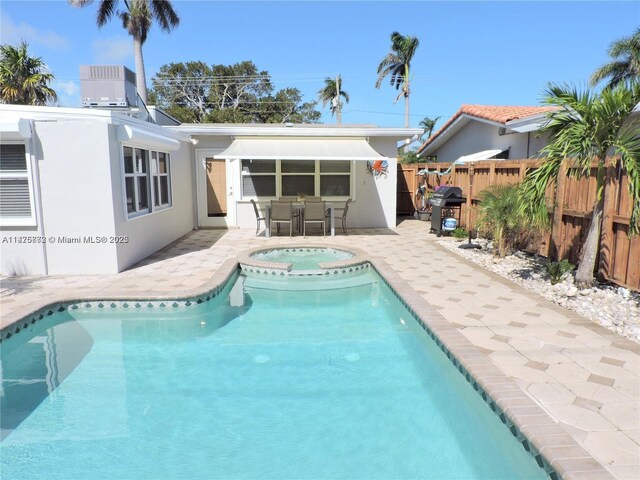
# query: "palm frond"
106, 10
533, 191
625, 62
165, 14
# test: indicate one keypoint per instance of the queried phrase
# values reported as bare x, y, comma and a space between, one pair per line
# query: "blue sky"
493, 53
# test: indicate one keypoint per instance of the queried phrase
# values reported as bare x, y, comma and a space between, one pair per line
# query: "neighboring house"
481, 132
95, 191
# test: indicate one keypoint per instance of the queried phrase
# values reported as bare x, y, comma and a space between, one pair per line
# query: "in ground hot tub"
303, 263
303, 258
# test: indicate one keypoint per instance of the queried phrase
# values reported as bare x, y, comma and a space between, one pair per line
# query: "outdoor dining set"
298, 212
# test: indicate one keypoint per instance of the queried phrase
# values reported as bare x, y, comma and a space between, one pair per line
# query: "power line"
422, 115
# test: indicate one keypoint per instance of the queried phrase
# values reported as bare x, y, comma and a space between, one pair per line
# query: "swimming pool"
257, 383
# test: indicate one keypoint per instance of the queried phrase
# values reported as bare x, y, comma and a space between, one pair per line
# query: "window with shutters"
331, 179
16, 190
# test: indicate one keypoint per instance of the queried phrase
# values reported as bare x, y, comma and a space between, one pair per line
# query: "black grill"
448, 200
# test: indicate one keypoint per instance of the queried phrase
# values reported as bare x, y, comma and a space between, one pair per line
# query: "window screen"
335, 185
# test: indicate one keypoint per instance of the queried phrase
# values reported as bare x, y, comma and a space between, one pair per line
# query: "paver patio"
585, 377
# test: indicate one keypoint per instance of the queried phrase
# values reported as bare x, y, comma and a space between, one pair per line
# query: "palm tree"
625, 64
428, 124
587, 126
331, 93
397, 65
137, 19
24, 80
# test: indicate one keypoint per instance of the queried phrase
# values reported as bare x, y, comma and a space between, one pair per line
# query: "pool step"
310, 281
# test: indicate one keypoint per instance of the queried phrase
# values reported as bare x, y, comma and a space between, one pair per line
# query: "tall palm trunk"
141, 84
584, 274
339, 103
406, 96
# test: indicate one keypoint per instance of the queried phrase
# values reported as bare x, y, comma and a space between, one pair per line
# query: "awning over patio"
300, 149
484, 155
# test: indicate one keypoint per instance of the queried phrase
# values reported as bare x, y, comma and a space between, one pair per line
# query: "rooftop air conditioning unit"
108, 86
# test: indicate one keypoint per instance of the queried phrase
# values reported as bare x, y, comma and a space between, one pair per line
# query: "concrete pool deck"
585, 378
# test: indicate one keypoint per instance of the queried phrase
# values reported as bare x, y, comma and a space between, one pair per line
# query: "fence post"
556, 249
470, 173
606, 233
522, 168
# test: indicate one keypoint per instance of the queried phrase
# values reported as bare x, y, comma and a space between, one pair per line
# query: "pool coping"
554, 449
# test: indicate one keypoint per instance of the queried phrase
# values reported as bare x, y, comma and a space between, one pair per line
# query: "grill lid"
448, 192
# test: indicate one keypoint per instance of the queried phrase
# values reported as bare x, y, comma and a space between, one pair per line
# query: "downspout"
36, 188
528, 141
194, 179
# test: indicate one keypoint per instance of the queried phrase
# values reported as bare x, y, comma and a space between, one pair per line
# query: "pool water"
302, 259
259, 383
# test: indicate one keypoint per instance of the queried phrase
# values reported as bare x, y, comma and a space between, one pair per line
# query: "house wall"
147, 234
77, 176
478, 136
374, 201
75, 191
375, 205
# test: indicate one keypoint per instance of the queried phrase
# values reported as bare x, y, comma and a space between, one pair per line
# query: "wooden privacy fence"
619, 255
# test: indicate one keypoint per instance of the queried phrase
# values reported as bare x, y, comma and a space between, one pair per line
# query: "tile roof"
494, 113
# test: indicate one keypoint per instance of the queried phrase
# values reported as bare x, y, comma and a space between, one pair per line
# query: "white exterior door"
215, 190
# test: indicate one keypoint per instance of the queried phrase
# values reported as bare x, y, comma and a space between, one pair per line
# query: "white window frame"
350, 174
316, 184
150, 176
156, 175
21, 221
313, 174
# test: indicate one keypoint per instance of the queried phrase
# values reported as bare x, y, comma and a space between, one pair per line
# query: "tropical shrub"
557, 270
460, 233
501, 220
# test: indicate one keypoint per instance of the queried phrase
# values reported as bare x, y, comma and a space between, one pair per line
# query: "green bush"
500, 219
408, 157
460, 233
557, 270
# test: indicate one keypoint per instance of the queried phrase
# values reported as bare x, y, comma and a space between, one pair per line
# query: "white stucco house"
483, 132
95, 191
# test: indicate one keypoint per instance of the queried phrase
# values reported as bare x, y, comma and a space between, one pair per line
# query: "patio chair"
282, 212
343, 217
314, 212
258, 217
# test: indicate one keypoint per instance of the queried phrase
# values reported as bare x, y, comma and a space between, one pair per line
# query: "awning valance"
300, 149
484, 155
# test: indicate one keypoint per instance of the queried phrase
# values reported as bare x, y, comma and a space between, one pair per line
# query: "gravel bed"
613, 307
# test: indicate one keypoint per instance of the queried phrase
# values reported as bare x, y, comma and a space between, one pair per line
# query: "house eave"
244, 130
37, 113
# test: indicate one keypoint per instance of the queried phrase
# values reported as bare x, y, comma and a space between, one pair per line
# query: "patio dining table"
299, 206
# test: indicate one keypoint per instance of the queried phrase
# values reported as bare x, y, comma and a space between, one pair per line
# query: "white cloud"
68, 92
13, 33
68, 88
113, 49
